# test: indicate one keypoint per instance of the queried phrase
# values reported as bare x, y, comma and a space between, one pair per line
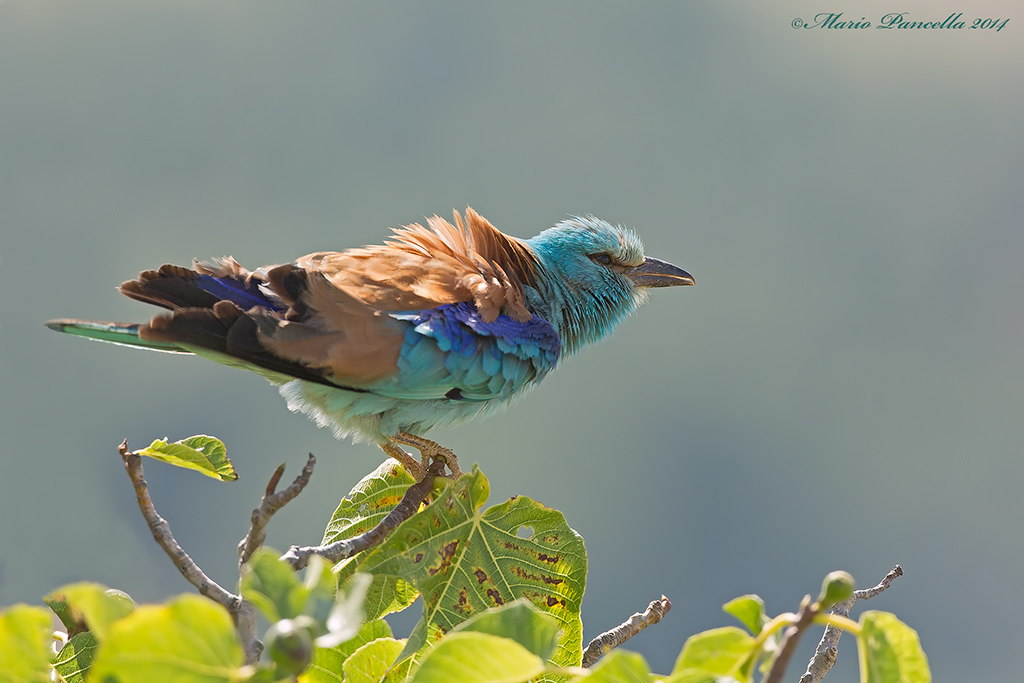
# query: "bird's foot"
408, 462
428, 449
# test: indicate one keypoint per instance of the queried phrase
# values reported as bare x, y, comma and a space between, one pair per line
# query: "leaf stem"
839, 621
784, 619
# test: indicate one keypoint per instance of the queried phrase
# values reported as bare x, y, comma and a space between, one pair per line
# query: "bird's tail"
125, 334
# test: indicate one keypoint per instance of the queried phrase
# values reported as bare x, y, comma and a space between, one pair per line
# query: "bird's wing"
452, 352
425, 267
340, 318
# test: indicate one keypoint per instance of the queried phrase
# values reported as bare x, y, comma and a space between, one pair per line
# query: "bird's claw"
428, 449
408, 462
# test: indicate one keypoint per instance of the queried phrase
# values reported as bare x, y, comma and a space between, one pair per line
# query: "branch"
161, 531
869, 593
298, 556
790, 638
241, 611
828, 647
623, 632
271, 503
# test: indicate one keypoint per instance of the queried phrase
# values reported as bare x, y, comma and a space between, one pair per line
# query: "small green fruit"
837, 587
309, 625
290, 646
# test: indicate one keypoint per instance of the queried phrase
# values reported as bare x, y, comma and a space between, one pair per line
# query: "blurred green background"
842, 388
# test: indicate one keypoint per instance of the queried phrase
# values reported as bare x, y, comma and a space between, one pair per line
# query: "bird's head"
596, 274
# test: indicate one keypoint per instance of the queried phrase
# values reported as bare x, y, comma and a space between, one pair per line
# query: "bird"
439, 324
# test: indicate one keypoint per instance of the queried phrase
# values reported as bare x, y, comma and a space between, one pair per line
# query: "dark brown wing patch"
227, 329
289, 322
169, 287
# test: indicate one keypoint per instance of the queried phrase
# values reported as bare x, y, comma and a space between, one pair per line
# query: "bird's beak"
655, 273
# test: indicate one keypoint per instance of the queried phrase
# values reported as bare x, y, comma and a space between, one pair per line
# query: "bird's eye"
603, 259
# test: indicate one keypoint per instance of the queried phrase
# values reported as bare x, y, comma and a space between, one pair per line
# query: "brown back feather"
444, 263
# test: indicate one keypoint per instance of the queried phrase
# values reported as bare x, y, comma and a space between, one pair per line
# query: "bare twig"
828, 647
241, 611
298, 556
161, 531
271, 503
869, 593
623, 632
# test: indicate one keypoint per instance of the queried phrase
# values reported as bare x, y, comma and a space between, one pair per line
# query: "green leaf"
369, 663
328, 661
399, 673
696, 676
478, 658
188, 639
422, 635
276, 591
519, 621
749, 609
346, 616
464, 561
716, 651
388, 594
76, 657
618, 666
89, 604
205, 454
273, 587
73, 623
25, 637
265, 673
363, 508
890, 651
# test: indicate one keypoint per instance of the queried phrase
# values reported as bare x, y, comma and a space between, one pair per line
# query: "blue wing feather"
452, 347
245, 294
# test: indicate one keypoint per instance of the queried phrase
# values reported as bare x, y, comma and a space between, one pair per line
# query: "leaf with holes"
464, 560
363, 508
204, 454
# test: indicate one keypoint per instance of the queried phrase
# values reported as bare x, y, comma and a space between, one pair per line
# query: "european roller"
437, 325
